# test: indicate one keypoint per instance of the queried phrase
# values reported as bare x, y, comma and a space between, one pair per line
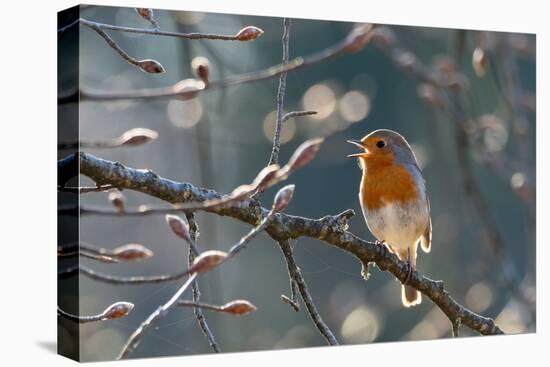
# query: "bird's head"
383, 146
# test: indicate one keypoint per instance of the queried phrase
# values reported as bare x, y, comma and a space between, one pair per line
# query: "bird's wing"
426, 239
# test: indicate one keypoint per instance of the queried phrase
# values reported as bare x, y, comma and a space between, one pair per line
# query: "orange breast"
384, 182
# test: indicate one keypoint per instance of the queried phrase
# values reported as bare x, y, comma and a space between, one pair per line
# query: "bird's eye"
380, 144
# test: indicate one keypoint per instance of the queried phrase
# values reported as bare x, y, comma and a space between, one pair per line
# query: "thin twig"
274, 158
112, 312
157, 32
127, 252
201, 319
205, 306
84, 189
136, 279
101, 258
296, 275
61, 31
236, 248
340, 48
292, 301
292, 114
133, 137
160, 312
98, 144
79, 319
236, 307
90, 255
98, 28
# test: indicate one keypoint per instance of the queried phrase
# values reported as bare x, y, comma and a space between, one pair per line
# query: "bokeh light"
479, 297
185, 114
510, 319
496, 133
320, 98
354, 106
360, 326
287, 132
517, 180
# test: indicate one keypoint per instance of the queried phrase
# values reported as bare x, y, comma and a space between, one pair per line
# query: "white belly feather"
399, 225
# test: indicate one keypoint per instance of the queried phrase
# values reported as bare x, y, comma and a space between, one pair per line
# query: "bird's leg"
409, 267
384, 245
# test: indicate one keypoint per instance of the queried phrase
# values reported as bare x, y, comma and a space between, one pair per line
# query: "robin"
394, 200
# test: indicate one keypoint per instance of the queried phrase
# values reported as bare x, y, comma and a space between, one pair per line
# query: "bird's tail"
410, 296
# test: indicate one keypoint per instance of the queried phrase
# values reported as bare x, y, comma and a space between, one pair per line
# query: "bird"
394, 199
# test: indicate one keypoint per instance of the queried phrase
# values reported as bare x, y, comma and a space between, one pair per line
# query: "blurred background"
479, 164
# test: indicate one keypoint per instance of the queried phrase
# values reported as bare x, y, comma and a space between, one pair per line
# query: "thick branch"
329, 229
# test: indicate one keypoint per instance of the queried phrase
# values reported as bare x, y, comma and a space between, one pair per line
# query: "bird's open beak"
360, 145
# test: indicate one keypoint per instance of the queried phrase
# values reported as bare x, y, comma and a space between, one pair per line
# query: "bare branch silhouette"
354, 42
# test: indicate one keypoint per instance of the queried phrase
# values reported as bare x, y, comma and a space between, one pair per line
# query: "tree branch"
248, 33
112, 312
355, 40
160, 312
329, 229
274, 159
149, 65
195, 291
296, 275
